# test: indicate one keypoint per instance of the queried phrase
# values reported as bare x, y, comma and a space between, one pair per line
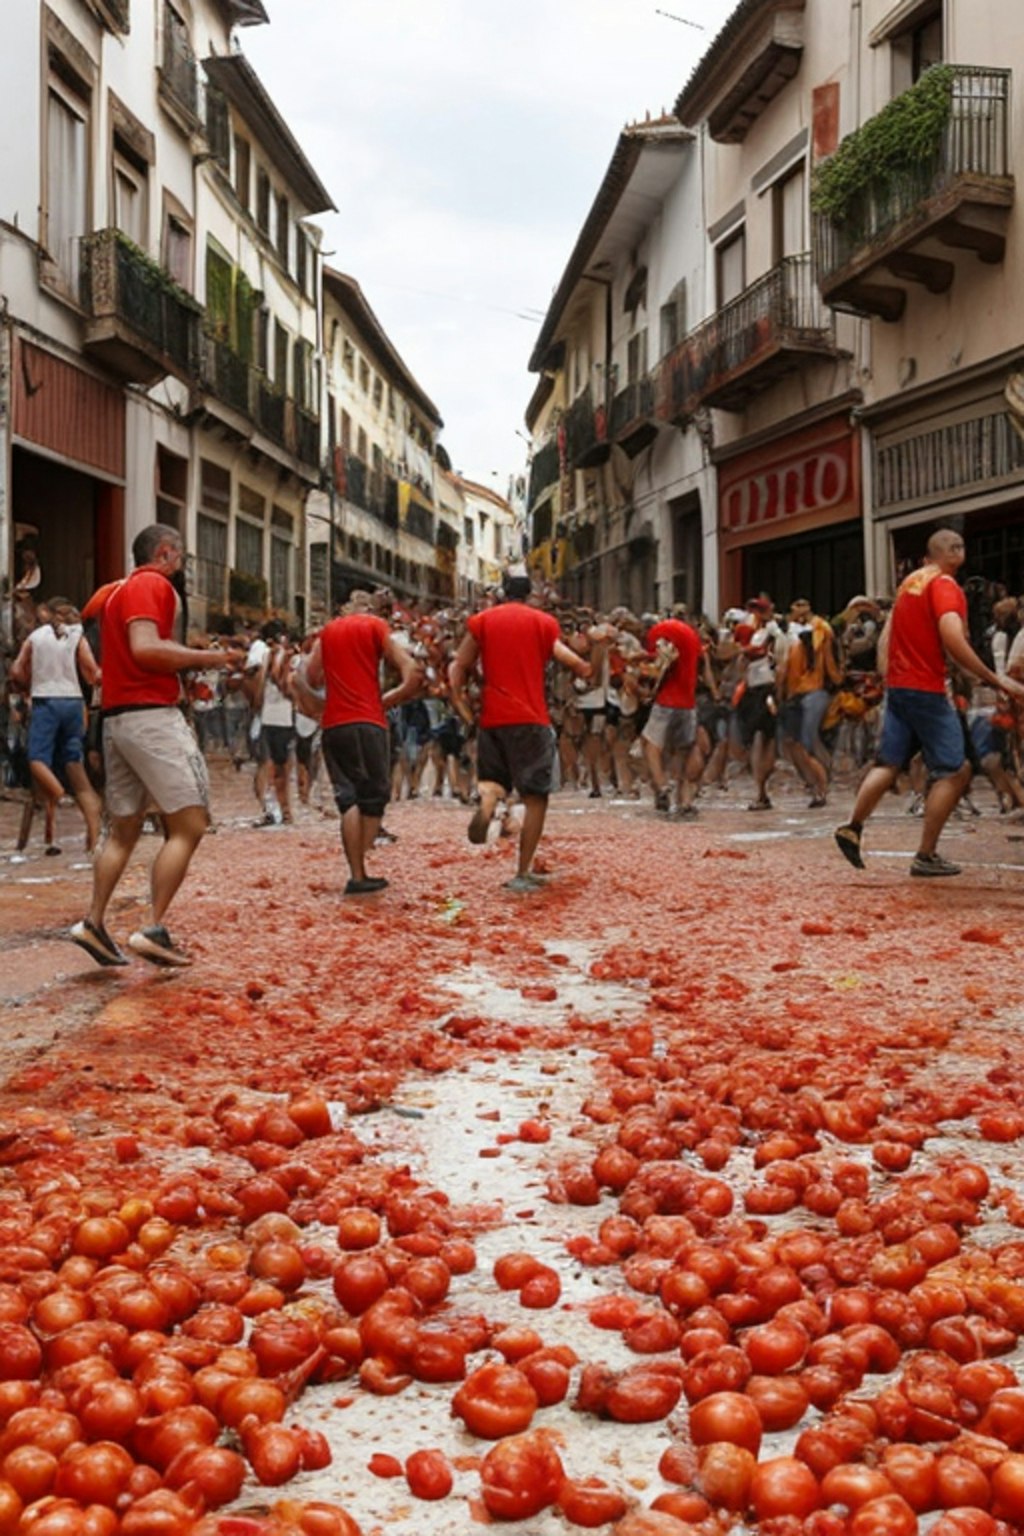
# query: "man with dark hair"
150, 756
515, 743
927, 624
346, 662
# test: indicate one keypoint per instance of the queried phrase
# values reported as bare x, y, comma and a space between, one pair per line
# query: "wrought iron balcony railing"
580, 429
179, 72
226, 375
632, 404
544, 470
140, 323
970, 164
270, 412
305, 436
748, 343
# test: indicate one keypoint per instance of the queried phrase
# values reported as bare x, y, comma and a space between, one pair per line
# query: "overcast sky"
463, 142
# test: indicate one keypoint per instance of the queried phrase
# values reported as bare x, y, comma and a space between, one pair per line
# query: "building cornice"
349, 297
235, 76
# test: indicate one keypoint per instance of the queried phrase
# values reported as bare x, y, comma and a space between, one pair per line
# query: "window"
249, 534
176, 252
67, 178
917, 43
636, 357
218, 126
731, 267
218, 295
130, 195
467, 532
283, 232
789, 214
391, 403
212, 532
364, 376
280, 358
243, 170
171, 488
318, 574
281, 559
361, 445
378, 391
673, 318
263, 201
348, 357
926, 45
302, 374
346, 431
263, 340
301, 259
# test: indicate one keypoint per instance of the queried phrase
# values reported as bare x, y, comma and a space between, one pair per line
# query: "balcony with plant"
139, 323
930, 171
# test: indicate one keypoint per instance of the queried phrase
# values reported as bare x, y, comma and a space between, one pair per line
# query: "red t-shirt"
352, 648
145, 594
515, 644
679, 688
916, 655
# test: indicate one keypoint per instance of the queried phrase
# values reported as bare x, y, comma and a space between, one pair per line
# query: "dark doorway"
67, 508
826, 567
687, 554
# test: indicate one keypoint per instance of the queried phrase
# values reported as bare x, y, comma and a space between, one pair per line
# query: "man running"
515, 743
150, 755
927, 624
672, 724
346, 662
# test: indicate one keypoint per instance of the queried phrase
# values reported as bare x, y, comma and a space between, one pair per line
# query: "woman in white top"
47, 667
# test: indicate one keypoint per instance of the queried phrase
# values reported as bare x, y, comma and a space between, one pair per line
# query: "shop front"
67, 473
790, 519
949, 456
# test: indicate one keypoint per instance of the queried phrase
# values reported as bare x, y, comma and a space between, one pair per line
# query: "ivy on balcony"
905, 136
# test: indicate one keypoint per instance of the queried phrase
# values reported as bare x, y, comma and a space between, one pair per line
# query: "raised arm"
459, 669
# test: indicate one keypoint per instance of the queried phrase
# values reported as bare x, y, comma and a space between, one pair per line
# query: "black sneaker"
932, 864
662, 800
96, 941
156, 945
365, 887
848, 842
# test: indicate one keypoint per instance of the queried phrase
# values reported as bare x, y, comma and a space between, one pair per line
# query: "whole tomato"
521, 1476
428, 1474
495, 1400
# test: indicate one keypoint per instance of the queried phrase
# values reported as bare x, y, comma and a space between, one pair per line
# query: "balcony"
270, 412
752, 59
226, 375
581, 437
900, 217
633, 425
304, 436
140, 325
770, 329
179, 74
544, 471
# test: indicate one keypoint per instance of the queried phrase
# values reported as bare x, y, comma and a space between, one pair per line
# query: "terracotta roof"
348, 295
633, 140
234, 75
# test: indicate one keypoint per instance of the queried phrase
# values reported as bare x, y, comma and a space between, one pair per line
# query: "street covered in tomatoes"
679, 1197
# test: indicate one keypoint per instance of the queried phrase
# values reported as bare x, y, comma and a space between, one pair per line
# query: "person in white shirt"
47, 667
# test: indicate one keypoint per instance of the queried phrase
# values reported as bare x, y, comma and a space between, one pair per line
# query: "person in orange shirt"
810, 669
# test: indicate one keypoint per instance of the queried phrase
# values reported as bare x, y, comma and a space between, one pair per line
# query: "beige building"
488, 542
378, 523
926, 242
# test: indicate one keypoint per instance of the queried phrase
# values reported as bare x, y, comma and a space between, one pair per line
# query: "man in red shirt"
927, 625
346, 662
515, 743
672, 724
150, 755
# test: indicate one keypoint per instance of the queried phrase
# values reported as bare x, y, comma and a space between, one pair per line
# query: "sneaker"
687, 813
523, 884
848, 842
761, 805
96, 941
662, 800
930, 864
916, 806
816, 803
384, 836
365, 887
478, 826
156, 945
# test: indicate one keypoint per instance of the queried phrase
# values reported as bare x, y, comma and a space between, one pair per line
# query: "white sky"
463, 142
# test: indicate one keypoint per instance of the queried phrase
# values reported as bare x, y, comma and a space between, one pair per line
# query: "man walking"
809, 669
150, 755
927, 624
672, 723
515, 743
346, 661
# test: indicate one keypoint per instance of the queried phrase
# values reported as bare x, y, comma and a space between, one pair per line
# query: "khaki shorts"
673, 730
150, 756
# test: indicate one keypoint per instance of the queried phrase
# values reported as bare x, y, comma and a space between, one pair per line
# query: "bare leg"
109, 864
358, 832
536, 809
279, 773
876, 782
88, 803
939, 806
655, 760
183, 833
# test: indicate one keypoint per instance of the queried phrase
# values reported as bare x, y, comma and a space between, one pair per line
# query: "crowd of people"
526, 694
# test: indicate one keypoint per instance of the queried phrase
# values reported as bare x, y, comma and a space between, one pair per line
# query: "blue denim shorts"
56, 731
802, 716
916, 721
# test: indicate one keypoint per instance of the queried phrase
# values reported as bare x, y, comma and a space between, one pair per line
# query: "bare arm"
19, 673
314, 668
959, 650
410, 673
461, 665
158, 655
90, 667
571, 659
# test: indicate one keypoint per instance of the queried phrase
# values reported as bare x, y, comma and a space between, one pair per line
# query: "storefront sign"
820, 480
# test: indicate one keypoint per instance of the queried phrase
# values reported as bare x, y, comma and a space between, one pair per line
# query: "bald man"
928, 624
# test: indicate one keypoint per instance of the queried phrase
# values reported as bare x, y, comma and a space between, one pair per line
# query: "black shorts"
753, 714
518, 757
277, 741
304, 749
357, 761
